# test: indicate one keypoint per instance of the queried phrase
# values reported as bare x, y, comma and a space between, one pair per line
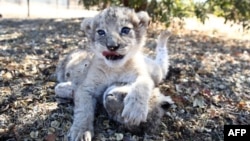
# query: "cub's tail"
162, 58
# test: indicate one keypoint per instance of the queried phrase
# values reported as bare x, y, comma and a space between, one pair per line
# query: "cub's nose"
113, 47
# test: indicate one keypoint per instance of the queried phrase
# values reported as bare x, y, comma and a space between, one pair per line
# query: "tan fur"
105, 69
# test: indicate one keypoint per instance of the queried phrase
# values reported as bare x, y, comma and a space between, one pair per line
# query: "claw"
87, 136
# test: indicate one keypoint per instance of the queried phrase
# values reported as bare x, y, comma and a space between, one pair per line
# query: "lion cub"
158, 103
72, 69
116, 36
77, 64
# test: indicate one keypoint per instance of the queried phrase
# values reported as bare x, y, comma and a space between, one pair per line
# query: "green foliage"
232, 10
164, 10
200, 11
138, 5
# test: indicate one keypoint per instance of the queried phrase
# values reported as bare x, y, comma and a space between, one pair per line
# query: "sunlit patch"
10, 36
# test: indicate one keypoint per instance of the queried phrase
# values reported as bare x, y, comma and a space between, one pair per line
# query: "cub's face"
77, 65
75, 69
113, 101
116, 34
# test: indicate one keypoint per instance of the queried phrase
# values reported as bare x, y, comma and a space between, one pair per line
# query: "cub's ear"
144, 19
87, 26
166, 102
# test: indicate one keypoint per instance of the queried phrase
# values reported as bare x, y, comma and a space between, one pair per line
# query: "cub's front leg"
65, 90
82, 128
136, 102
85, 98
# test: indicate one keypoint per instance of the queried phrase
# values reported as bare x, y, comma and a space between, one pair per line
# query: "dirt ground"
209, 81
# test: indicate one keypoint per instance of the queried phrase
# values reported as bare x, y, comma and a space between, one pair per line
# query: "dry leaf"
178, 88
199, 102
34, 134
242, 104
7, 76
50, 137
119, 136
55, 124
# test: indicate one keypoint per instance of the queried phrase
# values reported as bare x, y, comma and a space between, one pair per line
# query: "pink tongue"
108, 53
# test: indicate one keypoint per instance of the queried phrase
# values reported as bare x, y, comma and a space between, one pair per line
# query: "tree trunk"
28, 5
68, 3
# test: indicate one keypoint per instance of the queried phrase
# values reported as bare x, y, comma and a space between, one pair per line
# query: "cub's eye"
125, 30
101, 32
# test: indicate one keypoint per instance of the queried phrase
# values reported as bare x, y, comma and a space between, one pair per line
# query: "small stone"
248, 80
222, 87
119, 136
7, 76
54, 124
34, 134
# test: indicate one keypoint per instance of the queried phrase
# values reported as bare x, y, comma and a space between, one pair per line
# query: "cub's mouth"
109, 55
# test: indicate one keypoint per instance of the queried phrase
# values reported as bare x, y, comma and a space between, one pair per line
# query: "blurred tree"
28, 6
232, 10
163, 10
68, 4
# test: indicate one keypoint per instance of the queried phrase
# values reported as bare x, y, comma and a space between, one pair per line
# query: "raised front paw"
135, 110
64, 90
76, 134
